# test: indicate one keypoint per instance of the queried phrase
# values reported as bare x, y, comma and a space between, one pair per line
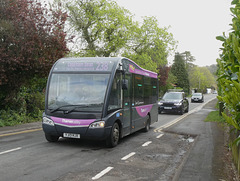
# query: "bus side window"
115, 95
138, 90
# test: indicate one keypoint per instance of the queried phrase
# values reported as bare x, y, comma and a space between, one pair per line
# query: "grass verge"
214, 117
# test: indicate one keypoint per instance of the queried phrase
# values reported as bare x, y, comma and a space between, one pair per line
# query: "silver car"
197, 97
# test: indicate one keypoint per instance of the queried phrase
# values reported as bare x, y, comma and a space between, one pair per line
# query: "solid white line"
8, 151
102, 173
128, 156
147, 143
159, 136
183, 116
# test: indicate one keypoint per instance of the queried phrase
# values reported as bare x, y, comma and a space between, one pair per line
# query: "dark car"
173, 102
197, 97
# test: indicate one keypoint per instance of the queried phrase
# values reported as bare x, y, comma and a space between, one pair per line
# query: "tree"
150, 45
166, 79
105, 29
31, 40
188, 58
179, 70
101, 27
201, 78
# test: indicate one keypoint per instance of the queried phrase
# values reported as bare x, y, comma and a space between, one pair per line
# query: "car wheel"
187, 109
114, 137
51, 138
147, 126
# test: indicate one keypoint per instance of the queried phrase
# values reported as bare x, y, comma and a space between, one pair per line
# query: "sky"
193, 23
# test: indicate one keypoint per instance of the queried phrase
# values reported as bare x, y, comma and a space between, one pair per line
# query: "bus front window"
77, 89
115, 100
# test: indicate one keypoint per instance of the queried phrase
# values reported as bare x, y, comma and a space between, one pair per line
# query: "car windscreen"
84, 91
197, 94
173, 96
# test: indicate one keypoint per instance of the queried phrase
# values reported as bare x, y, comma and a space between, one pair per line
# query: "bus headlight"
48, 121
99, 124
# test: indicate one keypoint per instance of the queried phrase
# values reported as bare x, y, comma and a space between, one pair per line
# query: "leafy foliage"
31, 40
100, 25
180, 72
103, 28
201, 78
150, 45
229, 69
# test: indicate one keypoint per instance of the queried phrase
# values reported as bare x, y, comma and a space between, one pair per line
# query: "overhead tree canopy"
101, 27
150, 45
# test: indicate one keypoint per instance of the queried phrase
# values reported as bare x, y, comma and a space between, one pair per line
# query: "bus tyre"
147, 126
51, 138
113, 139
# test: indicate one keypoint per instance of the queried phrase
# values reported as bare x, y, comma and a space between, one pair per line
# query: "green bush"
11, 118
26, 106
228, 72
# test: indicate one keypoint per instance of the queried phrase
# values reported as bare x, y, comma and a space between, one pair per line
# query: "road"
155, 155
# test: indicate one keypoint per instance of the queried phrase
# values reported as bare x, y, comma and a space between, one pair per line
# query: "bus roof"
85, 64
105, 64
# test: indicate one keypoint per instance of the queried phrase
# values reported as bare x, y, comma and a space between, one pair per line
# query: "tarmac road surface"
176, 148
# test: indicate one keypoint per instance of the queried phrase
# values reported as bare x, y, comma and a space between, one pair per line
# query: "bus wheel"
51, 138
113, 139
147, 126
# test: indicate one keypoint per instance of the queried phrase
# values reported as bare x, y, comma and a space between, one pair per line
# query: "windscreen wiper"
81, 106
75, 106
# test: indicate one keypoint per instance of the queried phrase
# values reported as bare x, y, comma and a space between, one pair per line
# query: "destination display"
83, 65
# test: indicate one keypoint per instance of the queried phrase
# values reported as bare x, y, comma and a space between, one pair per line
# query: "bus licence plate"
71, 135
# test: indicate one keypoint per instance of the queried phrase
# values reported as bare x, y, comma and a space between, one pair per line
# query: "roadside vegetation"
229, 70
33, 36
214, 117
229, 80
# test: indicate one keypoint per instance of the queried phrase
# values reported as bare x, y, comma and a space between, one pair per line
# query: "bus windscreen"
84, 90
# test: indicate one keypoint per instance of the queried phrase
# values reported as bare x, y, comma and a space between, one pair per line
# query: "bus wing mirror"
124, 84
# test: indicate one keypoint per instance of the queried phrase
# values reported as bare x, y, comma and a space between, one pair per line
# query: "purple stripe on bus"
73, 122
144, 72
143, 110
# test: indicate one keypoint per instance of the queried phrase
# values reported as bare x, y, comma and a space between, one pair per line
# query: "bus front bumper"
84, 132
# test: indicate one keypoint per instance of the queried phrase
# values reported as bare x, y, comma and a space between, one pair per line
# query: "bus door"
127, 106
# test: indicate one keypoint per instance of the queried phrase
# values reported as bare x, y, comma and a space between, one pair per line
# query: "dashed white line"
159, 136
128, 156
147, 143
8, 151
102, 173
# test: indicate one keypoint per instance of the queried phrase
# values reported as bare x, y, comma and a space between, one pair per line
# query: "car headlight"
178, 104
99, 124
48, 121
160, 103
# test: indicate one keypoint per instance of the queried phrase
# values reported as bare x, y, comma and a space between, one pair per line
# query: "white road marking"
159, 136
128, 156
147, 143
8, 151
102, 173
181, 117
